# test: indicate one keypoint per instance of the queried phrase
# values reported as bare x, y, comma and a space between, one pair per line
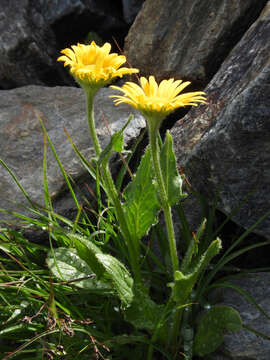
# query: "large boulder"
34, 31
246, 345
187, 39
71, 21
131, 9
225, 146
21, 138
27, 46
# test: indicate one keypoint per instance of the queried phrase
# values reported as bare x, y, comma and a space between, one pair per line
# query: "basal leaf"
66, 265
143, 313
213, 324
87, 251
120, 277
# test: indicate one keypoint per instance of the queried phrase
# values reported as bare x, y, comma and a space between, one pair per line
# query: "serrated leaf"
66, 265
172, 179
184, 282
212, 326
141, 206
143, 313
120, 276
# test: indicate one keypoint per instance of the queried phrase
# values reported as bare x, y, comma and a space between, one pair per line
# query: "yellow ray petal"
94, 65
151, 98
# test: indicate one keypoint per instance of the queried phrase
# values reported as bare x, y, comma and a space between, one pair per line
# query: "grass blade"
60, 166
18, 183
245, 294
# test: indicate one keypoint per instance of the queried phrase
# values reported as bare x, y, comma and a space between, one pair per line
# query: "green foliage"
29, 327
105, 267
95, 283
193, 247
67, 266
184, 282
141, 205
119, 276
87, 251
143, 313
212, 326
172, 179
116, 144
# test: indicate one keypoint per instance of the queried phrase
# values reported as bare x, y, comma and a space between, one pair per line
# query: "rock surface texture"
21, 136
225, 145
244, 344
187, 39
131, 9
32, 33
72, 20
27, 46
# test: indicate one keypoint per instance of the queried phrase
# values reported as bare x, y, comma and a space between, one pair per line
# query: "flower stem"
153, 127
91, 122
111, 190
153, 138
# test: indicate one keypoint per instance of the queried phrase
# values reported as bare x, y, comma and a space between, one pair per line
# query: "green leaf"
66, 265
172, 179
16, 180
143, 313
87, 251
141, 206
64, 173
116, 144
184, 282
193, 247
120, 277
107, 268
212, 326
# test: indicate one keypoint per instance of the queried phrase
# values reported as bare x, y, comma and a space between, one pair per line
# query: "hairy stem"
91, 122
153, 138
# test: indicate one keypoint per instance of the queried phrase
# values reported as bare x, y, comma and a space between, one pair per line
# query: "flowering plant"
112, 261
93, 67
157, 185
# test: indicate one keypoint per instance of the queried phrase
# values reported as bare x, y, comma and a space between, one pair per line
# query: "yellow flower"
160, 100
94, 65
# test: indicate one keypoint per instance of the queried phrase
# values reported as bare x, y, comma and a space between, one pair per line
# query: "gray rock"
21, 137
245, 345
27, 46
187, 39
32, 33
72, 20
225, 145
55, 10
131, 9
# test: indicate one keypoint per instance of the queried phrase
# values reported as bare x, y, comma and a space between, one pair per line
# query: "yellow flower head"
160, 100
94, 65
